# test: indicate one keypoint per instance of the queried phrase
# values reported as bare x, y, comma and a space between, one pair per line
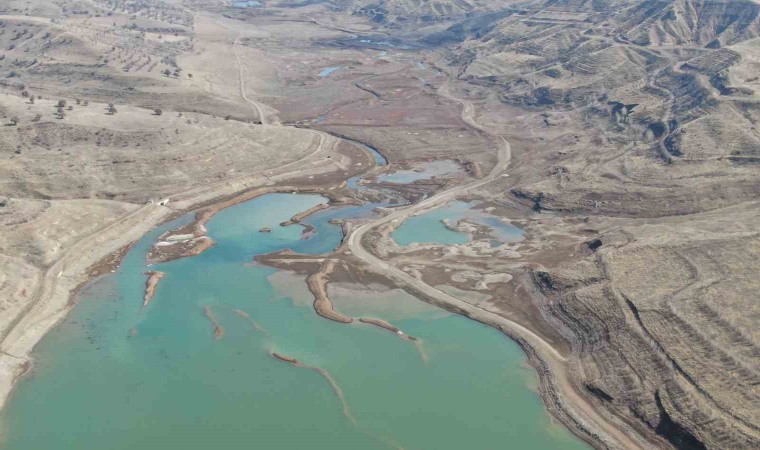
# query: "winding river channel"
193, 369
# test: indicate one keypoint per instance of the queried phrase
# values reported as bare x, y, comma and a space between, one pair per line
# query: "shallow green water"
423, 171
428, 228
171, 385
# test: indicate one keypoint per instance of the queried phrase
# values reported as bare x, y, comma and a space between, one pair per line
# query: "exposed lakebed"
119, 376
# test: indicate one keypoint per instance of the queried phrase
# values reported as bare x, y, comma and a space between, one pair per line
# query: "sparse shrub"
112, 109
157, 112
70, 108
37, 118
31, 100
227, 117
60, 113
61, 103
24, 94
14, 120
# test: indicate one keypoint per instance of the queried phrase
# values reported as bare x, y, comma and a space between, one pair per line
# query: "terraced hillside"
622, 137
641, 119
110, 111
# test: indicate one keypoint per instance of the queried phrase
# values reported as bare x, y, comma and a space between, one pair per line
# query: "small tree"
167, 72
112, 109
79, 102
25, 93
61, 103
227, 117
69, 107
31, 100
190, 75
61, 113
157, 112
14, 120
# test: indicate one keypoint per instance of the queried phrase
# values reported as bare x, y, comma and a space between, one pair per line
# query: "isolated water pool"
114, 375
327, 71
423, 171
428, 227
246, 4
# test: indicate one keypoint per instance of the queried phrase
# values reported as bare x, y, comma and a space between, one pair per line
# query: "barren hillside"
628, 131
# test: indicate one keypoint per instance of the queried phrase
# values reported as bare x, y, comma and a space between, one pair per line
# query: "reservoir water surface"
116, 375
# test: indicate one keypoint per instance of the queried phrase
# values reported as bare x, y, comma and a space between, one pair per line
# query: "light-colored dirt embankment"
556, 389
318, 286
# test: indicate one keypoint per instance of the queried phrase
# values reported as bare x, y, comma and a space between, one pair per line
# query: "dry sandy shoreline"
641, 222
70, 273
52, 301
61, 281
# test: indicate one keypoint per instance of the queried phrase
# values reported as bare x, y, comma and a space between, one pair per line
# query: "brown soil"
109, 264
285, 358
387, 326
182, 249
318, 286
150, 285
304, 214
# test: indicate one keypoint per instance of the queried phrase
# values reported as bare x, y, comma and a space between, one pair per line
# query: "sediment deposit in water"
634, 173
252, 395
387, 326
329, 378
218, 330
253, 323
151, 284
318, 286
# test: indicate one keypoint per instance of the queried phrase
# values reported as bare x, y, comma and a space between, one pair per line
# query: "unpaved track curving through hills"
266, 115
574, 404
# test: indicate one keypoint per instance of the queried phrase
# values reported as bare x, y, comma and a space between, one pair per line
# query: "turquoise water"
423, 172
327, 71
114, 375
353, 182
428, 228
246, 4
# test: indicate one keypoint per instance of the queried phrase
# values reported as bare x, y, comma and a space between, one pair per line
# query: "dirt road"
574, 404
266, 115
